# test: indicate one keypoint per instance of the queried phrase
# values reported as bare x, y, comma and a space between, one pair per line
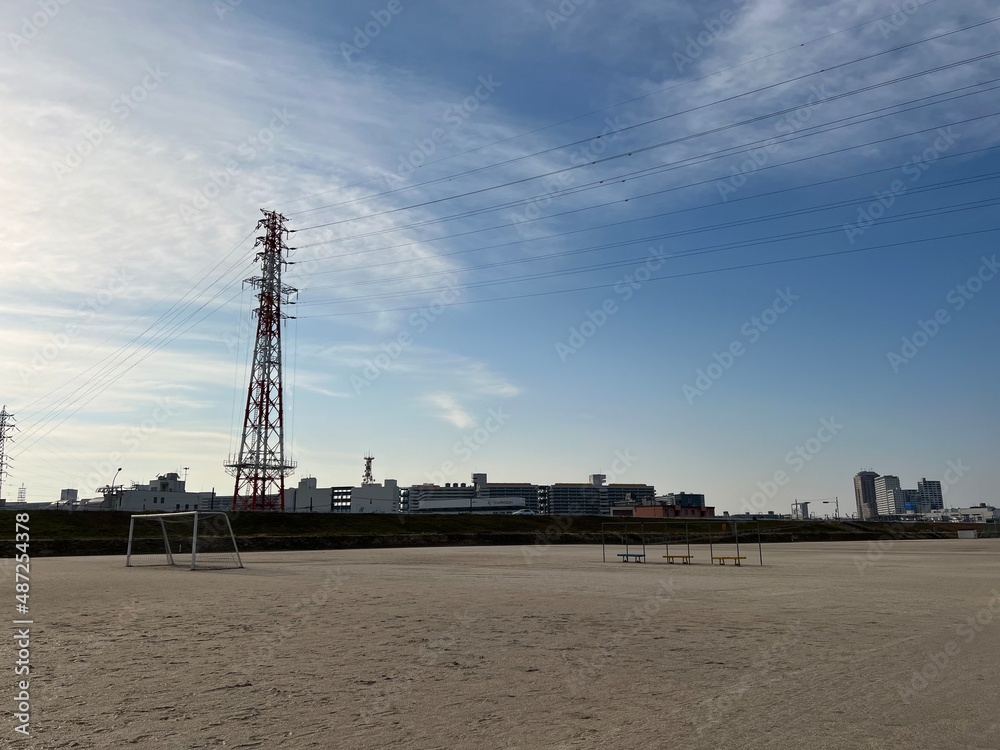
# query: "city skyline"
132, 178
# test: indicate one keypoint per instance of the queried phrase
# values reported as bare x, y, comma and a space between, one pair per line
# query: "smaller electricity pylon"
7, 428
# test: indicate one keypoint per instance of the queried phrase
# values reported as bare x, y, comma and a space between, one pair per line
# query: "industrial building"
168, 493
595, 498
307, 497
479, 496
981, 513
165, 494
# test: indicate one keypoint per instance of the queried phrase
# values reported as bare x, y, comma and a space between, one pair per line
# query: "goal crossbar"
221, 532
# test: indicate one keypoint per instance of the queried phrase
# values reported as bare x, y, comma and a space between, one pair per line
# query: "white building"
455, 497
165, 494
375, 498
368, 498
889, 496
982, 513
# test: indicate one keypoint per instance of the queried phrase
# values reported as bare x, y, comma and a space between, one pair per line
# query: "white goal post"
205, 538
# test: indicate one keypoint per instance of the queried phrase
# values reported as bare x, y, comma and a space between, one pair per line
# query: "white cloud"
450, 410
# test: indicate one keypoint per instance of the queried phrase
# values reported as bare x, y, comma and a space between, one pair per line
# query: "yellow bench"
685, 559
722, 559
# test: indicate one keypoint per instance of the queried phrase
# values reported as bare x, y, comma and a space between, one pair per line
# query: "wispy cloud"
450, 410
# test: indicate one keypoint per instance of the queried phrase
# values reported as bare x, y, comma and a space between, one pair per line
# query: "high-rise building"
864, 494
889, 496
931, 497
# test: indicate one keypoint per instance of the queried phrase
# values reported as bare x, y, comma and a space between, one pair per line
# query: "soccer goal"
201, 539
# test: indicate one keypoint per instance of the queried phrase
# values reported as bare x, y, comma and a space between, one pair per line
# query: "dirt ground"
829, 645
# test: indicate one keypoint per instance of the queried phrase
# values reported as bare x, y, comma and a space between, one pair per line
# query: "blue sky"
140, 142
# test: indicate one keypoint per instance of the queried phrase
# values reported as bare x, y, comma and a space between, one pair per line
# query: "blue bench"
639, 556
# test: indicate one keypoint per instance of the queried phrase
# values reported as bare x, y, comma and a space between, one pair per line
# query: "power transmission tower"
7, 428
260, 468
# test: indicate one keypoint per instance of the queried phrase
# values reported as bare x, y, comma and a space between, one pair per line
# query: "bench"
685, 559
639, 556
722, 560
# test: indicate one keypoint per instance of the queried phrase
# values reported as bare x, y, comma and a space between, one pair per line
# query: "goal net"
198, 539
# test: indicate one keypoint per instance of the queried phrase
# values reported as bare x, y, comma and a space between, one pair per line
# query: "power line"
125, 353
691, 161
623, 243
831, 229
632, 127
664, 278
107, 384
640, 196
616, 105
163, 316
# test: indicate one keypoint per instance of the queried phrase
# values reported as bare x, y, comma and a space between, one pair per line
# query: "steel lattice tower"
260, 468
7, 428
368, 478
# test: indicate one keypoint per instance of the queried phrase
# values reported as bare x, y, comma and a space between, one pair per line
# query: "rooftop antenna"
368, 478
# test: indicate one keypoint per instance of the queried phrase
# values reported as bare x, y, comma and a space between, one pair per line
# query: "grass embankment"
105, 533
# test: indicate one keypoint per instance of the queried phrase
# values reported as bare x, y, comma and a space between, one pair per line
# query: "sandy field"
829, 645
